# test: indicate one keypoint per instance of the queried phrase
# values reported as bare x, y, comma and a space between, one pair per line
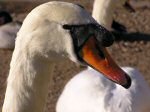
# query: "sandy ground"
131, 49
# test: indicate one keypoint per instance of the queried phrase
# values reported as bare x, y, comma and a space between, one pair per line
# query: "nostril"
129, 82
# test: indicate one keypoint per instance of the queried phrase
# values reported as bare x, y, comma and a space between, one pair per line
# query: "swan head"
5, 17
66, 29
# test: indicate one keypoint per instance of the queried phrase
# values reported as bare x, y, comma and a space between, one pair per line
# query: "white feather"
103, 11
90, 91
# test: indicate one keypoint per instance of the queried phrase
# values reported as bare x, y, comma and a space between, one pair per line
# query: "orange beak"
104, 63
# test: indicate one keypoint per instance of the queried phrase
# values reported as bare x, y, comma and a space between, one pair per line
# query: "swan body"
89, 91
103, 11
8, 34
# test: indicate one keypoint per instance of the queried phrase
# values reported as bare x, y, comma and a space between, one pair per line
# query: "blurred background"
132, 48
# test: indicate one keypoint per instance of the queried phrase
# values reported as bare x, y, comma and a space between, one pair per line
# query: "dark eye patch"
81, 33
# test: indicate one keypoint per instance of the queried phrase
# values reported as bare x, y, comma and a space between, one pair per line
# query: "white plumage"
89, 91
103, 11
42, 42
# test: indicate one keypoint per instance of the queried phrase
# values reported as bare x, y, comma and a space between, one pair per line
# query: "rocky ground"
131, 49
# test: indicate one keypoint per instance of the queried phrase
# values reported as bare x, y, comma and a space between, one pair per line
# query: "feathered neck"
28, 83
103, 12
32, 66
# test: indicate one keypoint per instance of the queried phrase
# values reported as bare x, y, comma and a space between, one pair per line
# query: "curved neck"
31, 66
103, 12
28, 83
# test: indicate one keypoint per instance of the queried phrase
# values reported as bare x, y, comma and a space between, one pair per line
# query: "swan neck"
103, 12
28, 83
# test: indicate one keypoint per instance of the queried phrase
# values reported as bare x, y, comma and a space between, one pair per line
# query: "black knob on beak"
107, 39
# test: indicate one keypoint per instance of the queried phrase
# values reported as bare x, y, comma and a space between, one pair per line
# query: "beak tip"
129, 82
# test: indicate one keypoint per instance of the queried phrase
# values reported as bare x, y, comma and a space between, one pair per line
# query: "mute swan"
89, 91
103, 11
8, 31
49, 34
